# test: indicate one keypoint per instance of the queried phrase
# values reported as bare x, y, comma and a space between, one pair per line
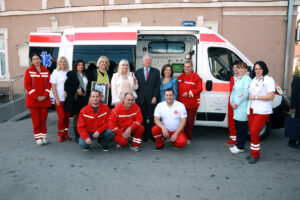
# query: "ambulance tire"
265, 131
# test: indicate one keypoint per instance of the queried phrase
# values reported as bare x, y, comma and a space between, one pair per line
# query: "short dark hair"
76, 63
242, 64
235, 62
99, 92
164, 69
168, 89
35, 54
263, 66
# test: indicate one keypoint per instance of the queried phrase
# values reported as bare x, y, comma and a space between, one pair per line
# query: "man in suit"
148, 94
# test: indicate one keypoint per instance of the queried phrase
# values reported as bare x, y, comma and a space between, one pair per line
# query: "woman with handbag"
57, 80
76, 91
261, 95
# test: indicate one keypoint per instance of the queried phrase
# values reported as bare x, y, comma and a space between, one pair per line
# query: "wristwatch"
256, 97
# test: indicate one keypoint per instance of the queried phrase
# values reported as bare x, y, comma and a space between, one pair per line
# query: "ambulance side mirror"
209, 85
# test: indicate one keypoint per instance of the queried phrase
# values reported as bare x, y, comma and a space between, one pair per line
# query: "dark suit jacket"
150, 88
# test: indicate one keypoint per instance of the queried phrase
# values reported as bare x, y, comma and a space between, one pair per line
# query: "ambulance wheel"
265, 131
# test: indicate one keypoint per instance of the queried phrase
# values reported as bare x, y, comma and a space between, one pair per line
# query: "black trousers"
241, 133
147, 110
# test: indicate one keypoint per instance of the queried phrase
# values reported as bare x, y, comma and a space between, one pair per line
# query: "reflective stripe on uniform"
31, 91
88, 116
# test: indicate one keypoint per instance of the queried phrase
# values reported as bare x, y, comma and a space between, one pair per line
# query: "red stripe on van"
208, 37
103, 36
218, 87
45, 38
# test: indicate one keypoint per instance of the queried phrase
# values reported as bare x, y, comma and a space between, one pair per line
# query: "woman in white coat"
122, 82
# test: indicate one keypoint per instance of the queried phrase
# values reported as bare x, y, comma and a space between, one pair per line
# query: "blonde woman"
101, 75
57, 80
123, 82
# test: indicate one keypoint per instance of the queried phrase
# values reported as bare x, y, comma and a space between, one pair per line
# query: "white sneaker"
39, 142
118, 147
188, 141
136, 149
236, 150
45, 141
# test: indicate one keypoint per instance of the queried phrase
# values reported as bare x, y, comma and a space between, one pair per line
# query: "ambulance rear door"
88, 44
47, 45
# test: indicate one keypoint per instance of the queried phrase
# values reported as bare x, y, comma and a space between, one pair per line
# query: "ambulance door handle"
209, 85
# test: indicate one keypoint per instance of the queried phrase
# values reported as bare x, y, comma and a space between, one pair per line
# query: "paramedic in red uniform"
261, 95
170, 118
189, 89
231, 126
92, 123
36, 81
126, 121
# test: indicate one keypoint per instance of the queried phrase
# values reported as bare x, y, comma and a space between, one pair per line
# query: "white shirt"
170, 116
59, 78
261, 87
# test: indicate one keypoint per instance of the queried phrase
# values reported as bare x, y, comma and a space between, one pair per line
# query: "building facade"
257, 28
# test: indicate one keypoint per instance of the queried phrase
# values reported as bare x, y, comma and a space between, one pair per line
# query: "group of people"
144, 105
250, 105
156, 114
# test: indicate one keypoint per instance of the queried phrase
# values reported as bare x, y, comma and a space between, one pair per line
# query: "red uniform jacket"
37, 84
192, 84
121, 119
91, 121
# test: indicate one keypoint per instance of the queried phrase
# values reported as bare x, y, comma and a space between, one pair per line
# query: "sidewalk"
203, 170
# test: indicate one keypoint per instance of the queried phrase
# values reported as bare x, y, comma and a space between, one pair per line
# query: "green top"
102, 79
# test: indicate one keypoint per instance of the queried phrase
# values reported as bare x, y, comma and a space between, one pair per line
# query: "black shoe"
248, 157
145, 139
152, 139
293, 145
159, 148
252, 160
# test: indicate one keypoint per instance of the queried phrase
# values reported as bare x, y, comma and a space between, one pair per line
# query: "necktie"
147, 73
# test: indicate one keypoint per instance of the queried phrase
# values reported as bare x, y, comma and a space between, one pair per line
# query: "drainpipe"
287, 47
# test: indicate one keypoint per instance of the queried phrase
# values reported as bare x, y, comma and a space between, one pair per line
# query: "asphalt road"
204, 170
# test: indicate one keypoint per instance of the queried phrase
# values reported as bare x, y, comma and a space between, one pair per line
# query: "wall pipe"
288, 47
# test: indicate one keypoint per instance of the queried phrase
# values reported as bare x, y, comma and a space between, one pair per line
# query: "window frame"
6, 76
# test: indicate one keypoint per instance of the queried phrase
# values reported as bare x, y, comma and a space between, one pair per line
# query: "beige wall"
258, 37
23, 5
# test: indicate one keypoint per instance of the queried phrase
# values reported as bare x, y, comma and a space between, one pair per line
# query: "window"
221, 61
115, 53
166, 47
4, 73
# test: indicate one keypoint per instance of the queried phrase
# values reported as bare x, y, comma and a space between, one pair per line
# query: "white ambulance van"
212, 55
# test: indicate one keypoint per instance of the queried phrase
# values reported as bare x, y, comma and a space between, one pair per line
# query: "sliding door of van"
217, 69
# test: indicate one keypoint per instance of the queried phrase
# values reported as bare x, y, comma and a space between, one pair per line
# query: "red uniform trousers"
39, 116
63, 119
256, 123
231, 126
180, 141
190, 121
136, 140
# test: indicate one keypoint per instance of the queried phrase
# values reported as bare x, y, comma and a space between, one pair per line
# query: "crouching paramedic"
93, 123
170, 118
126, 121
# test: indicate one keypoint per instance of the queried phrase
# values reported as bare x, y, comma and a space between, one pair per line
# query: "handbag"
292, 128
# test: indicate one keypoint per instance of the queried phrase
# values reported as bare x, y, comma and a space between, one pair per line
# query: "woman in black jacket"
76, 90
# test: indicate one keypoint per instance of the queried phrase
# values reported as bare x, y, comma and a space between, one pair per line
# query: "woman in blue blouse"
239, 103
167, 81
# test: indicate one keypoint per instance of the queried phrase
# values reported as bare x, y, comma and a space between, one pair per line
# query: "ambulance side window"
220, 62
